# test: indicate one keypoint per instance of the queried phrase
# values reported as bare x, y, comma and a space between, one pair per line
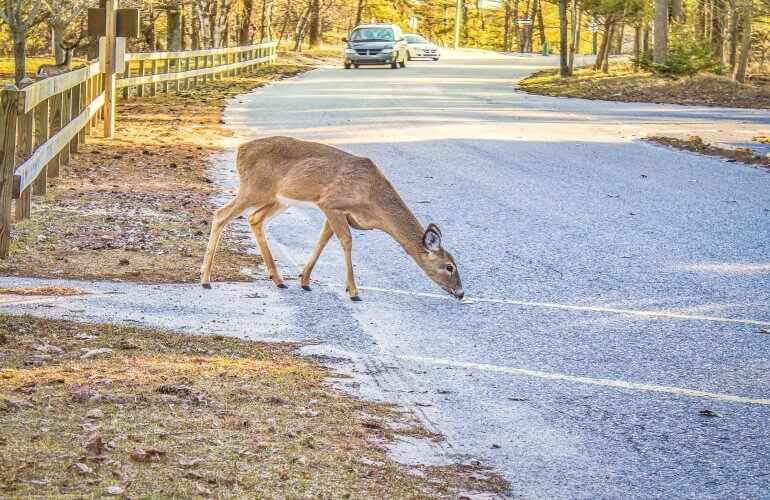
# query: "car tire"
355, 66
435, 58
348, 65
403, 62
394, 64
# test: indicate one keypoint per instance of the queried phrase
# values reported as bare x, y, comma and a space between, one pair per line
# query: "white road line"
621, 384
552, 305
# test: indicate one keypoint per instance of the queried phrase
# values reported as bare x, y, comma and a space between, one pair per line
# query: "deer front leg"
222, 217
323, 239
339, 224
257, 221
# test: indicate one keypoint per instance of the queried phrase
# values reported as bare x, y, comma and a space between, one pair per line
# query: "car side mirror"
345, 40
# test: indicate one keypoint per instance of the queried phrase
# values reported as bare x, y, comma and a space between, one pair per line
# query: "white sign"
523, 22
593, 27
120, 54
413, 23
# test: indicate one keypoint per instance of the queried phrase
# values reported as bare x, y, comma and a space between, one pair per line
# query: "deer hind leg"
339, 224
257, 221
222, 217
323, 239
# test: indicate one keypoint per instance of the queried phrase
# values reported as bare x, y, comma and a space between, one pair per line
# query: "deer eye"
450, 268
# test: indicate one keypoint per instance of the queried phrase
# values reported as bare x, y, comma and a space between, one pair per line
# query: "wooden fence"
43, 123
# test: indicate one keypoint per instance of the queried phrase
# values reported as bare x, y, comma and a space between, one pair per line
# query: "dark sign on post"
126, 22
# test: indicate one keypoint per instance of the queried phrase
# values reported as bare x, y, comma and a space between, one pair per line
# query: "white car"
419, 46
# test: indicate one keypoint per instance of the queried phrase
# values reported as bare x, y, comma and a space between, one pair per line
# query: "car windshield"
372, 34
416, 39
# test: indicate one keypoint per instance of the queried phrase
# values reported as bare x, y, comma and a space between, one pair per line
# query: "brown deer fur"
351, 191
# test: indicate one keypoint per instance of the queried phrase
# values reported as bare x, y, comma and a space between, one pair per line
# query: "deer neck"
401, 224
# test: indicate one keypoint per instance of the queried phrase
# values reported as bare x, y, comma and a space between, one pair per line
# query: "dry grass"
624, 84
137, 207
695, 144
166, 415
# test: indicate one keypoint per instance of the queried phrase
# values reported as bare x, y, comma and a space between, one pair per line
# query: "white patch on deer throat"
289, 202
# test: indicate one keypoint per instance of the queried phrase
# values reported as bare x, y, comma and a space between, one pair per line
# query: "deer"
49, 70
351, 191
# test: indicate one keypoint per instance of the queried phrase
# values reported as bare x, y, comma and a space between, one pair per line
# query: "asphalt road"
553, 201
620, 288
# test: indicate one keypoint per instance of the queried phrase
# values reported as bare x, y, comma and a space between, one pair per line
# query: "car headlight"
348, 50
387, 50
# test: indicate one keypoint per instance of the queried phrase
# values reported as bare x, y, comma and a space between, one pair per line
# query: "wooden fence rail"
43, 123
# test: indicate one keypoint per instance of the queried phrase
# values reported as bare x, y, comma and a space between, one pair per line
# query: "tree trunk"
574, 34
604, 45
302, 24
57, 38
507, 28
244, 35
540, 24
563, 55
743, 60
621, 33
677, 15
637, 46
606, 60
646, 38
174, 34
700, 17
578, 32
717, 28
732, 41
360, 11
19, 55
660, 32
516, 32
315, 23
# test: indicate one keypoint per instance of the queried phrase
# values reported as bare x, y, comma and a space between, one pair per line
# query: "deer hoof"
207, 286
355, 298
282, 285
306, 287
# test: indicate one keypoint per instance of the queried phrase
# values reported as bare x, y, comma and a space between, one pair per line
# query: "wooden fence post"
8, 116
41, 135
25, 124
140, 88
153, 71
127, 74
166, 70
56, 125
66, 116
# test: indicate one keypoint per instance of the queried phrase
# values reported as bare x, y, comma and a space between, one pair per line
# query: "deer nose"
459, 293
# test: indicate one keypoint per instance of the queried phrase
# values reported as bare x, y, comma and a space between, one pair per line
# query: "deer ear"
431, 240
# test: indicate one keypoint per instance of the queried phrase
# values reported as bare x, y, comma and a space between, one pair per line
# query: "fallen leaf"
708, 413
114, 490
95, 413
147, 455
95, 352
47, 348
82, 469
190, 462
95, 447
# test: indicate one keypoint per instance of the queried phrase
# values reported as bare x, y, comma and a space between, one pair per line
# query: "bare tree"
742, 63
19, 22
660, 31
315, 23
61, 13
564, 69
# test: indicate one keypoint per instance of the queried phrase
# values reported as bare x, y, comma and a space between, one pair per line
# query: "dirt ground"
137, 207
91, 410
695, 144
623, 84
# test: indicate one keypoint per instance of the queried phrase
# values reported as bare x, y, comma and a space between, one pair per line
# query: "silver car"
375, 44
419, 46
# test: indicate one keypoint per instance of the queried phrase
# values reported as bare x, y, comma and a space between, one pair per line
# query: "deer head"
439, 264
